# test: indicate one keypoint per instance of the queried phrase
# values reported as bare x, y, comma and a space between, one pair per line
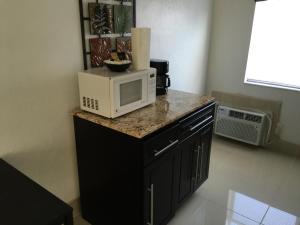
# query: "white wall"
231, 31
40, 54
180, 33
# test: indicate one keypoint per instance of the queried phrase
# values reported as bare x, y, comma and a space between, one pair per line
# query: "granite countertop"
167, 109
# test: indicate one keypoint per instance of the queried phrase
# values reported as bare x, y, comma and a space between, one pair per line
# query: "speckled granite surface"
167, 109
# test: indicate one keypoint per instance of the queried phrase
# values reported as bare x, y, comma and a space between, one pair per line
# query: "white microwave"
112, 94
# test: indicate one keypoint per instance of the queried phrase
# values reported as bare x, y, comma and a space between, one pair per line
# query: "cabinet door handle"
201, 123
151, 190
201, 162
196, 176
157, 153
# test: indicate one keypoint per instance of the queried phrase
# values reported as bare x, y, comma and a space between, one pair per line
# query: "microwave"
112, 94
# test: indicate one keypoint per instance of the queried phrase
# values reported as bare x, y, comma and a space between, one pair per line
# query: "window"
274, 54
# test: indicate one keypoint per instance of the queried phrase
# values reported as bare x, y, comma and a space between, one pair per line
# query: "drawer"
160, 144
196, 120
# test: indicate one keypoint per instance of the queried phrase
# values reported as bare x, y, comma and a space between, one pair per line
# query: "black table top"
24, 202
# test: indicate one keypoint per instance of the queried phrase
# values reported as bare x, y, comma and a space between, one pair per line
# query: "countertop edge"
123, 124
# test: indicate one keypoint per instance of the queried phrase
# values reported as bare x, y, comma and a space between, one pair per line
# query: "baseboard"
75, 204
278, 146
285, 147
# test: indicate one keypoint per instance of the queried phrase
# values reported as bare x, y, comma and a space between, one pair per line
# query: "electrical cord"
268, 137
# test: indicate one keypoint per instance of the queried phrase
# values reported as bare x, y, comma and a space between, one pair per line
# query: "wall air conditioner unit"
246, 126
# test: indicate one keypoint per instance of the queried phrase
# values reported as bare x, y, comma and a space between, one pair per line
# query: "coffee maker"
163, 81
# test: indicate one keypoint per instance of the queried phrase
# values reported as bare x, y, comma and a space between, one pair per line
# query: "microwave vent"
90, 103
97, 105
84, 101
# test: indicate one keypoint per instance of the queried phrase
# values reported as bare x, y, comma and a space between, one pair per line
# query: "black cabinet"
194, 161
158, 189
202, 156
126, 180
186, 170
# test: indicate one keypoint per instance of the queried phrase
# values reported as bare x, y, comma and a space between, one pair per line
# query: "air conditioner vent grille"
246, 126
236, 129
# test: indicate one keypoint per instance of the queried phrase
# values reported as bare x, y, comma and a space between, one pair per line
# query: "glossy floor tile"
246, 206
199, 211
277, 217
246, 186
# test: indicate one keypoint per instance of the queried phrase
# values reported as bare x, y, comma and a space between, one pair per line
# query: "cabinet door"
188, 166
158, 190
204, 149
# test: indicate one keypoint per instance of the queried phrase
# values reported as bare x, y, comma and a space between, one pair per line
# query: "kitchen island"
139, 168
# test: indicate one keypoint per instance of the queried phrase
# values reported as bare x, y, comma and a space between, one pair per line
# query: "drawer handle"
157, 153
199, 112
200, 124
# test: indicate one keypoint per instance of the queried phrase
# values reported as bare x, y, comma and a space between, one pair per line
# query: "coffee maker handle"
169, 82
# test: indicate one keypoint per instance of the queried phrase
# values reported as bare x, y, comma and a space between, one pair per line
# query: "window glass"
274, 58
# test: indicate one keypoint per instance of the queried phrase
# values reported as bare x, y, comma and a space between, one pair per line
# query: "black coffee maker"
163, 81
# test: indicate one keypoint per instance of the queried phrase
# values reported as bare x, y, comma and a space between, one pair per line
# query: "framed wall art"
105, 28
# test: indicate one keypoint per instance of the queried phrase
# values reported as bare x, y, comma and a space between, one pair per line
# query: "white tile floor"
246, 186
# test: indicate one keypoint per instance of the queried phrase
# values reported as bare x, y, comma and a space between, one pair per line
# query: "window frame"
270, 84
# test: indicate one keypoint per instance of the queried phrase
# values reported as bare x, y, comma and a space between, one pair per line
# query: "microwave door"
129, 94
